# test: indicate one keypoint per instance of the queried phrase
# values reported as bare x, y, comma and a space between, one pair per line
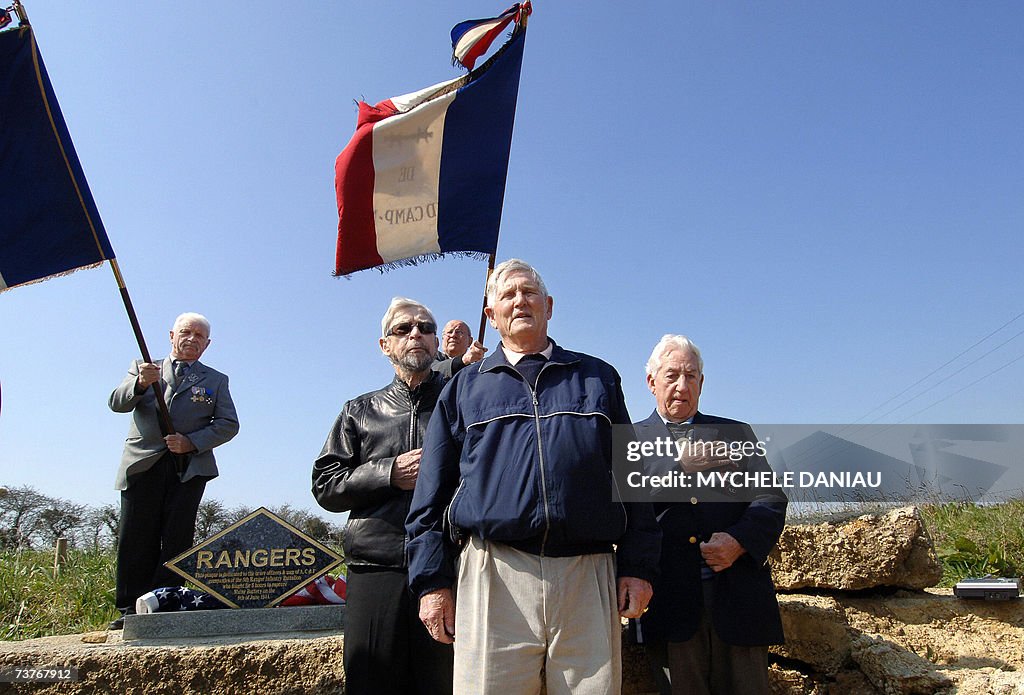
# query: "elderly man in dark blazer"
163, 475
714, 611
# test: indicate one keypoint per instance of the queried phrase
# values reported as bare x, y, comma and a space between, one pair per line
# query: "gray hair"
512, 265
398, 304
668, 343
191, 316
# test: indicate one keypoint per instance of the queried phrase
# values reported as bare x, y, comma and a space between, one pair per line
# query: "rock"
213, 666
94, 637
870, 551
932, 642
894, 670
816, 633
990, 682
785, 681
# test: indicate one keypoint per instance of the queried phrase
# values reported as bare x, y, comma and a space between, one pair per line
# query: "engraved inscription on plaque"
256, 562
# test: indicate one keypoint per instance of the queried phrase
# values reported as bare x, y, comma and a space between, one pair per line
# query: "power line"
946, 398
936, 370
947, 378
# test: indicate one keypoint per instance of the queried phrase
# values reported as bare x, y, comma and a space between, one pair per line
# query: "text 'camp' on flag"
424, 174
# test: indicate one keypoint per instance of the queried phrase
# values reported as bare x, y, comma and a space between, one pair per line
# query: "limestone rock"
989, 681
95, 637
870, 551
896, 671
214, 666
785, 681
816, 633
931, 642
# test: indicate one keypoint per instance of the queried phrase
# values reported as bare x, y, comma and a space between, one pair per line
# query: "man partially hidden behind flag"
50, 224
424, 174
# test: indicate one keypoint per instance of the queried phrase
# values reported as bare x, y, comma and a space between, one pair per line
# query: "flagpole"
20, 11
527, 9
166, 426
483, 313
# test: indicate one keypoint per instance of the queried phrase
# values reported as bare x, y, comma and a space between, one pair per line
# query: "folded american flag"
322, 591
176, 598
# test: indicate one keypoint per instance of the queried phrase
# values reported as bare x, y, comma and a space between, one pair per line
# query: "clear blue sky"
827, 197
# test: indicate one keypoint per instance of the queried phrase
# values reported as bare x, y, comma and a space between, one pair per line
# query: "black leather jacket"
353, 472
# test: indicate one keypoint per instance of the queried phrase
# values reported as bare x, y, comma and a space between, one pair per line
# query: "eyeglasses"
404, 329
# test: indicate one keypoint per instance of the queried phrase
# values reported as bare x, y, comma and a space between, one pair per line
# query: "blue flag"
49, 224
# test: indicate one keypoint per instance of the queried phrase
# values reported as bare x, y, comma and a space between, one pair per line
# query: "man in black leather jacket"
368, 467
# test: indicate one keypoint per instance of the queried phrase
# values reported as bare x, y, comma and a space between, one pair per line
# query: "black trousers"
158, 522
705, 665
387, 649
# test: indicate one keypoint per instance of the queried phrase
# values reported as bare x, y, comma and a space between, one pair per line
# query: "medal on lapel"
201, 395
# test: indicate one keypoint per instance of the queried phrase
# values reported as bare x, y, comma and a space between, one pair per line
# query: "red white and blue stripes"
425, 172
472, 38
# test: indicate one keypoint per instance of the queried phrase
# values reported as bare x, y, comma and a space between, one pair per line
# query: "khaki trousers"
521, 617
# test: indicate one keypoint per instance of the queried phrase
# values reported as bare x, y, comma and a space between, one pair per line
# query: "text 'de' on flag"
424, 174
49, 224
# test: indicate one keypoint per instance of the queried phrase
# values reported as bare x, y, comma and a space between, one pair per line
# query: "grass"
973, 540
34, 604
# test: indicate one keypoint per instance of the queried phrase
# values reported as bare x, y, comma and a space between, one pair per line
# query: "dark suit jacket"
201, 408
745, 611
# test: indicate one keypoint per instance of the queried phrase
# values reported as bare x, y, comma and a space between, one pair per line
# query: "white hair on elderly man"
668, 343
192, 317
402, 304
505, 268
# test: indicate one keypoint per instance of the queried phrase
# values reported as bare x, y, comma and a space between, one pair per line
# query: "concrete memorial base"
247, 621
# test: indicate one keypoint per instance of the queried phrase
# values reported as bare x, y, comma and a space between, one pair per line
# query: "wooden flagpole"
483, 314
527, 9
164, 415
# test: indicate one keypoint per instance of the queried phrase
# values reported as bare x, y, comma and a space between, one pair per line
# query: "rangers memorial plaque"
256, 562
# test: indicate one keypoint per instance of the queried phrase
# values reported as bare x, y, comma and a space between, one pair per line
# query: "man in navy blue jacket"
714, 611
514, 506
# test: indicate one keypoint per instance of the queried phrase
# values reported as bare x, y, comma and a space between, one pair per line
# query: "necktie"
180, 368
680, 430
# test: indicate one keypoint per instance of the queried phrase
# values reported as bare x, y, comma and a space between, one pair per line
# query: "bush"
973, 540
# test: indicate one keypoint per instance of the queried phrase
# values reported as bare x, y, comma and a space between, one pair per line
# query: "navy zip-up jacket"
531, 468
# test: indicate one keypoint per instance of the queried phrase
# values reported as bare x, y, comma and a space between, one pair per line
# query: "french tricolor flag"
424, 174
470, 39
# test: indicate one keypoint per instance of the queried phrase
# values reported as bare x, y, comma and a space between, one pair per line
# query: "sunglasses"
404, 329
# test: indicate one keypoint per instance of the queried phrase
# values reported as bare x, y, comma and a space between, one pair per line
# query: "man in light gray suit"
162, 476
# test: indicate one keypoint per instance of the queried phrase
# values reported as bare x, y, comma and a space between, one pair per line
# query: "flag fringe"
63, 273
419, 260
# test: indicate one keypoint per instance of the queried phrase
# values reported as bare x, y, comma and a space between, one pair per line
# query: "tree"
61, 519
213, 517
100, 526
20, 508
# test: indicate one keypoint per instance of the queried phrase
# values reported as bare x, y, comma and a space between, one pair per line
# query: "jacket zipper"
414, 403
540, 456
412, 421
